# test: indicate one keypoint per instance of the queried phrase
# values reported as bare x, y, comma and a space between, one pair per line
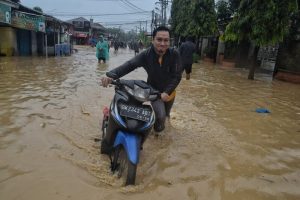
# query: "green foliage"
179, 15
131, 35
145, 39
118, 34
223, 10
224, 14
263, 22
295, 24
234, 5
193, 17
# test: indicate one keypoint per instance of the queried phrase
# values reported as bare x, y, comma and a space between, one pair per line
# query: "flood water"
215, 146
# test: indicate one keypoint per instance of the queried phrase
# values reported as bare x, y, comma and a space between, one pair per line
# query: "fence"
267, 55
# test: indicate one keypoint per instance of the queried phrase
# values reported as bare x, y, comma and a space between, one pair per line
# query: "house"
58, 33
26, 32
84, 30
97, 30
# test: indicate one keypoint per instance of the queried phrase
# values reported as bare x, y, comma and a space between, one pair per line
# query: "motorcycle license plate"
135, 112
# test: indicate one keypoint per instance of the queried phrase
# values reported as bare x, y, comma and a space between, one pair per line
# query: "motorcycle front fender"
131, 143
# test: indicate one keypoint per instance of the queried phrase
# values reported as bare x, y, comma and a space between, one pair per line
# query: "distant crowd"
116, 44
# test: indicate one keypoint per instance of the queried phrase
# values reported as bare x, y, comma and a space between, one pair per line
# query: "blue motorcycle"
126, 125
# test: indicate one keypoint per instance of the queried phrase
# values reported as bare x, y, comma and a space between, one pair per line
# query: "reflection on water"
215, 147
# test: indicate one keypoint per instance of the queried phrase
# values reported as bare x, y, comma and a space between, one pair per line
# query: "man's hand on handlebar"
105, 81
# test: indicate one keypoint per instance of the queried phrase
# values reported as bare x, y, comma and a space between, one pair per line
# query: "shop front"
8, 35
30, 28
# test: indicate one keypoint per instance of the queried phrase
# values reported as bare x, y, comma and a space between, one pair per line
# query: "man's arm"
176, 76
124, 69
129, 66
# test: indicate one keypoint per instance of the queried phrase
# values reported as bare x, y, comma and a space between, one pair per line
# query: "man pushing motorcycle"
163, 67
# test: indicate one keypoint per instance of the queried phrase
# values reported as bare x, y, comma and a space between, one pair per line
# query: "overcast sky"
99, 10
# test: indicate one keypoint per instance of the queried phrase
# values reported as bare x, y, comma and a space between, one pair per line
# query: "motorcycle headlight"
140, 93
129, 90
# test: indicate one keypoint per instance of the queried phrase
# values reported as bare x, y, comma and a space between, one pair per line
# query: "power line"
128, 25
129, 6
132, 5
122, 23
89, 14
125, 6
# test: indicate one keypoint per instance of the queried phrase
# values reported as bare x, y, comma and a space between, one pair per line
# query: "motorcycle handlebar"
117, 82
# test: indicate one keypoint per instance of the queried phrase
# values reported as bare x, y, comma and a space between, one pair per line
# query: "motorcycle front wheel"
123, 167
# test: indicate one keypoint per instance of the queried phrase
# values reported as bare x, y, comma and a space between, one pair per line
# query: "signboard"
28, 21
81, 34
5, 13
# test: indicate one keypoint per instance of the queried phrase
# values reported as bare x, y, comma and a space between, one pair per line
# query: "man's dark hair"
160, 28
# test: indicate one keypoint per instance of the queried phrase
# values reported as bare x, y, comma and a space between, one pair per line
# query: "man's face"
161, 42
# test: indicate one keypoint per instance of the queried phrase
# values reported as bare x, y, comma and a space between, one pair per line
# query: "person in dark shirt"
186, 50
136, 48
163, 66
116, 46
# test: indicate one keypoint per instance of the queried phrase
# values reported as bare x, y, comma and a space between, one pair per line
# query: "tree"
193, 17
224, 14
295, 24
223, 11
233, 5
261, 22
204, 21
179, 16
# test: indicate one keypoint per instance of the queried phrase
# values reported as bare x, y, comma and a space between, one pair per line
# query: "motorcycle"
126, 125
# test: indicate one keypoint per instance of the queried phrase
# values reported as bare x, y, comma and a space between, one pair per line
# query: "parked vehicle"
126, 125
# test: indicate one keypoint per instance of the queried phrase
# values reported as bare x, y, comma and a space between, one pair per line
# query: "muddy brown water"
215, 146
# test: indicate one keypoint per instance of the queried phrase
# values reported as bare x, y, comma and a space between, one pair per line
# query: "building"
8, 39
85, 30
26, 32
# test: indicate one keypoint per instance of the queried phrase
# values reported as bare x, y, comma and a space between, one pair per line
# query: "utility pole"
163, 10
140, 26
152, 21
